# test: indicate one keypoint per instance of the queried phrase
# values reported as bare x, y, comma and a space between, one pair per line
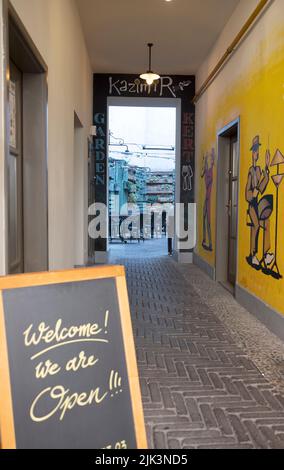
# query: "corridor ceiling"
183, 32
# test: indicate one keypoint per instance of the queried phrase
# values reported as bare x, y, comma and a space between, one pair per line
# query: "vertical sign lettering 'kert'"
71, 382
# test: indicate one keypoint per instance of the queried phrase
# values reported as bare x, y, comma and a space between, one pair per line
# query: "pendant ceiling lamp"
150, 76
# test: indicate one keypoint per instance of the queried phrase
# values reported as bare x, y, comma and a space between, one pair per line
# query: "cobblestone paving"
200, 389
263, 347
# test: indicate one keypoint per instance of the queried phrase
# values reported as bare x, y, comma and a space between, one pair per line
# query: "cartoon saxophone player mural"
259, 210
207, 174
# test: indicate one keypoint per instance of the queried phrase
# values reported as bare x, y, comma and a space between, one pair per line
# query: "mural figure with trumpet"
260, 208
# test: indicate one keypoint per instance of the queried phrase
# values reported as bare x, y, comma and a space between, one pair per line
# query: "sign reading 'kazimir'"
68, 373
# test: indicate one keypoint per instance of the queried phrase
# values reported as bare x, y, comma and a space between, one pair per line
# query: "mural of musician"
259, 210
207, 173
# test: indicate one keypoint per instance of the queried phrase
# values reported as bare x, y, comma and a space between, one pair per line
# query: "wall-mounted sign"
165, 86
68, 373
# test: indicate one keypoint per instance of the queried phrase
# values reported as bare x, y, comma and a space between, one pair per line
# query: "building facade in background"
138, 185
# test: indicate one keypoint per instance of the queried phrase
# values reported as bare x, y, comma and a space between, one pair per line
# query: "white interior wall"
55, 28
231, 29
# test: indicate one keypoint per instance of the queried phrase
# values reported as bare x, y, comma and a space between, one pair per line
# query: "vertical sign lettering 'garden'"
69, 380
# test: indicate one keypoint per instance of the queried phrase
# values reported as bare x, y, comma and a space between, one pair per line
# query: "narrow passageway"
203, 383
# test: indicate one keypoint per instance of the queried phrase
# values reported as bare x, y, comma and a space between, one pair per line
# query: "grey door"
233, 210
15, 175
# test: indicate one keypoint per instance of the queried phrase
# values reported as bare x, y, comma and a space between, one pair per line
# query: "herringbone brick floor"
199, 388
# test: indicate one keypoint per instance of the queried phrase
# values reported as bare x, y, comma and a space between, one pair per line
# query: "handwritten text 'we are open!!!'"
63, 400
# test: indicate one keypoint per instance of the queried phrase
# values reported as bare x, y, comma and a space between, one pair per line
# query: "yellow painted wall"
251, 86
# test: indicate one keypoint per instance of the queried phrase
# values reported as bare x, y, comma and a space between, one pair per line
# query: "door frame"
4, 129
149, 103
222, 249
233, 140
17, 153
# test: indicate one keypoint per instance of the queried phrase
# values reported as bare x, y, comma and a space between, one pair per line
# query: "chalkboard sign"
68, 372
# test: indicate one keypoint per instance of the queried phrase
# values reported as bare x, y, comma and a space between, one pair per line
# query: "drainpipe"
260, 7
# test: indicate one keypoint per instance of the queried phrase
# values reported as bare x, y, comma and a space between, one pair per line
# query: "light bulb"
150, 77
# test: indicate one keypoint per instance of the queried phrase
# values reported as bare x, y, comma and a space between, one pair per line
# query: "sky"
138, 126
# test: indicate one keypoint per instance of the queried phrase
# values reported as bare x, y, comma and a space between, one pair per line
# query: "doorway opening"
227, 206
27, 199
142, 179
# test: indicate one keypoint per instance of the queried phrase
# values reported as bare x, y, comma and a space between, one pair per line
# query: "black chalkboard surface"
68, 369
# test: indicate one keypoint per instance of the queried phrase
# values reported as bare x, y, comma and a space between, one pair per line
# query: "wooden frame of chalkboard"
7, 424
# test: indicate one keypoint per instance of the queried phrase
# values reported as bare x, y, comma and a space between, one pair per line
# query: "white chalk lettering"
64, 401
